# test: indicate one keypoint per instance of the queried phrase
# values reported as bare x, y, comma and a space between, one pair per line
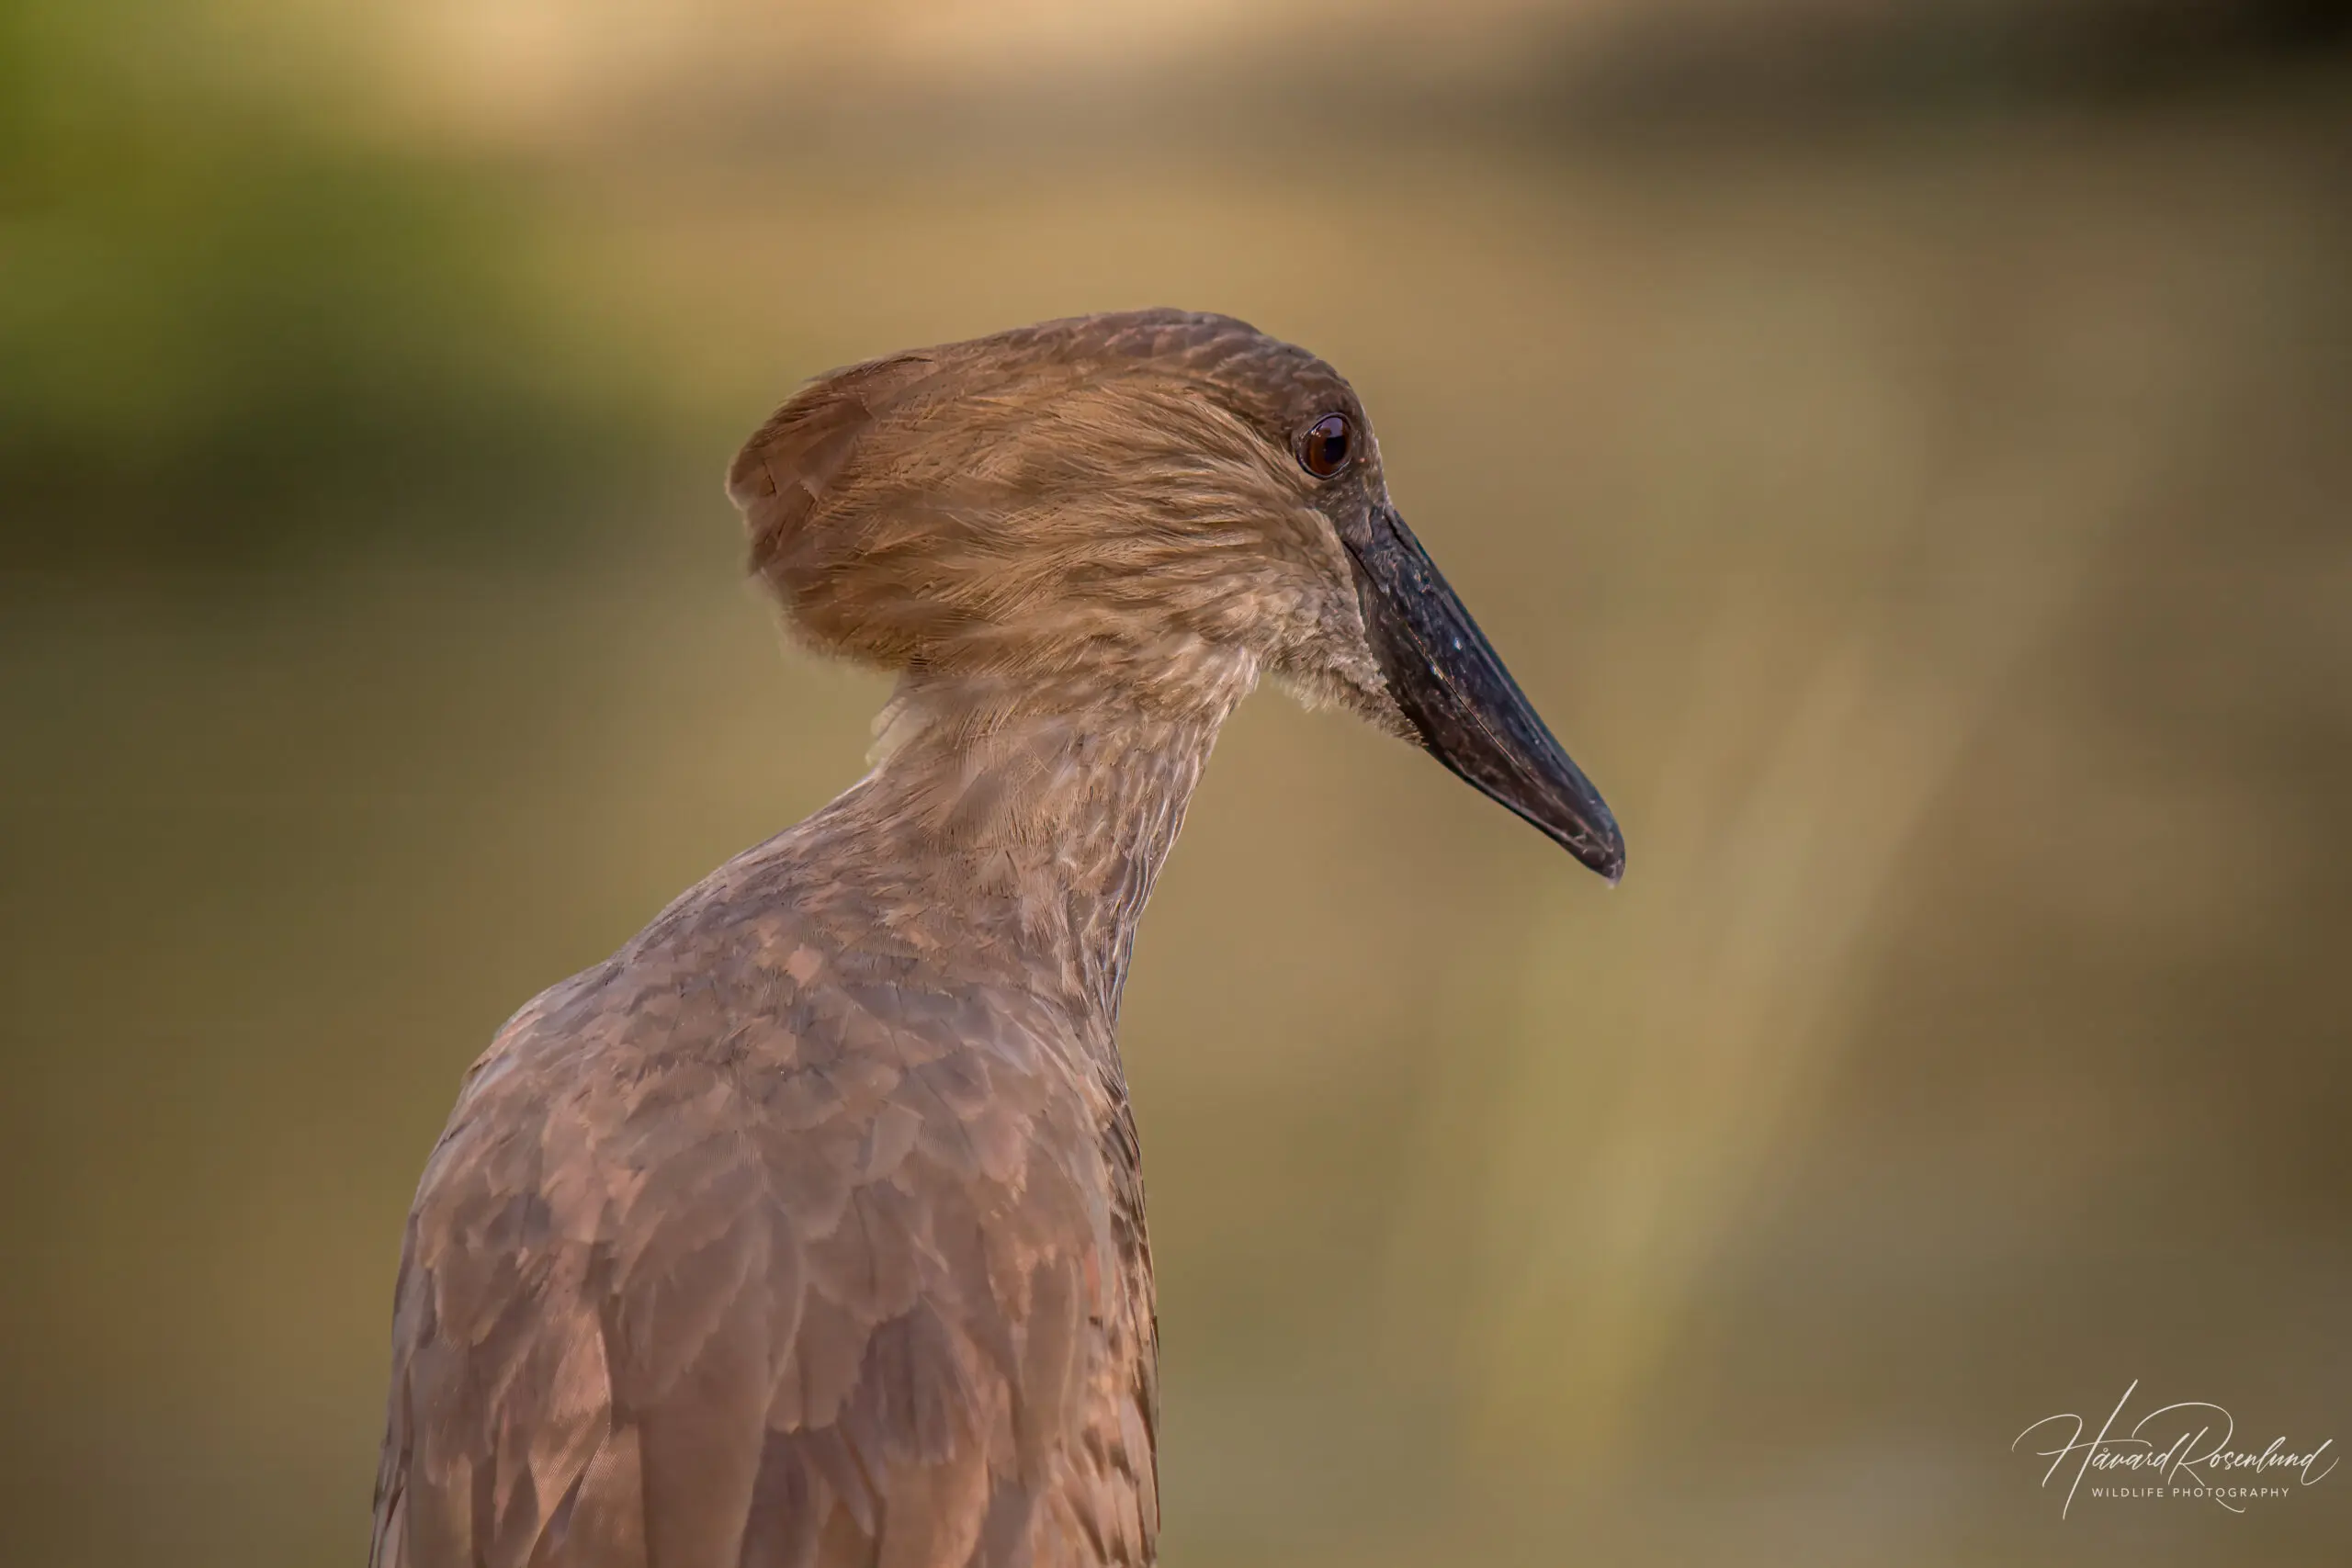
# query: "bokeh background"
1904, 448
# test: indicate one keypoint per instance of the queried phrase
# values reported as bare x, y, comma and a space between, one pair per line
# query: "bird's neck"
1026, 822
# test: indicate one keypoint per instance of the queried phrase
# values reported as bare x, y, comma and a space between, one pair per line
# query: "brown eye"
1328, 444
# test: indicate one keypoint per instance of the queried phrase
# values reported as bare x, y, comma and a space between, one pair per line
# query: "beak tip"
1606, 858
1599, 848
1597, 841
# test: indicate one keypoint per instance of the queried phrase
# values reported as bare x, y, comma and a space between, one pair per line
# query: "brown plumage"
807, 1229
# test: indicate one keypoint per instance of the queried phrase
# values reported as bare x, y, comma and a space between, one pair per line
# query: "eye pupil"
1327, 446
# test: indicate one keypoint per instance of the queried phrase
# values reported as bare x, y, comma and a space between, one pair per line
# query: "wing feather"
756, 1273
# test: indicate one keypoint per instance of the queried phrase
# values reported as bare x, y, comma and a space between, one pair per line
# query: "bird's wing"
841, 1284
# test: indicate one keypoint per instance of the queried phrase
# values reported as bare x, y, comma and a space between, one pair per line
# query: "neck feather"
1029, 819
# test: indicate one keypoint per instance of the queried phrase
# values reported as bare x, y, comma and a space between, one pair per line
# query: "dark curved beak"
1469, 713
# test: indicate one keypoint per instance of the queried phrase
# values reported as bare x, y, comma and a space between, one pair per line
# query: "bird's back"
804, 1231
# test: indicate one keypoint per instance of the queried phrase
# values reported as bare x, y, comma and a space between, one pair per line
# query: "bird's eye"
1328, 444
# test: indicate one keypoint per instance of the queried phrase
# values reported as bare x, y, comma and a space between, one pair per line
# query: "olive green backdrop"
1909, 465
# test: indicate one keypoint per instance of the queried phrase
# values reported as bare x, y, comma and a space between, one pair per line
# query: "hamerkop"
808, 1228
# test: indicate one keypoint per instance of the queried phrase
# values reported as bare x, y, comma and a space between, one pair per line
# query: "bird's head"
1146, 501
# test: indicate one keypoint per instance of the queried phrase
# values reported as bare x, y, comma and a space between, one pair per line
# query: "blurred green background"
1904, 449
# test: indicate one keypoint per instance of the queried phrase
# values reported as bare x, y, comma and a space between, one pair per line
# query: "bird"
807, 1229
